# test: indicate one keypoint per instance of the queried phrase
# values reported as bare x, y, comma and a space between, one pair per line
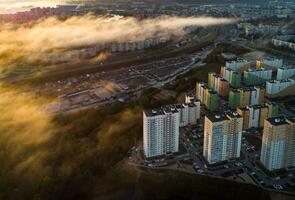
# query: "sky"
12, 6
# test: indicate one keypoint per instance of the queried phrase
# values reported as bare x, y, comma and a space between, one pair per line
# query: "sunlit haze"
147, 99
12, 6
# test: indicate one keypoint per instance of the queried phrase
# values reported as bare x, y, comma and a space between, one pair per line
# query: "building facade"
160, 131
277, 149
222, 137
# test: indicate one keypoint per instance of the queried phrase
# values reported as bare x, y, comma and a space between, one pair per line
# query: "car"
197, 167
200, 171
278, 187
290, 175
277, 178
226, 166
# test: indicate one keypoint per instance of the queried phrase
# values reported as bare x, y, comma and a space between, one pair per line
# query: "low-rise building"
285, 73
276, 86
256, 77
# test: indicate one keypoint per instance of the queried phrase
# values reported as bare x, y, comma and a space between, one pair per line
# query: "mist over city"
147, 99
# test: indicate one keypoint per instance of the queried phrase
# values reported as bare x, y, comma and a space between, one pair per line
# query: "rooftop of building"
271, 103
179, 106
255, 106
277, 121
281, 81
154, 112
234, 90
201, 83
192, 105
238, 60
244, 89
257, 70
217, 117
233, 114
243, 108
170, 109
287, 67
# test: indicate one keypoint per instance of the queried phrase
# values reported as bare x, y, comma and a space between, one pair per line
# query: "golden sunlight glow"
12, 6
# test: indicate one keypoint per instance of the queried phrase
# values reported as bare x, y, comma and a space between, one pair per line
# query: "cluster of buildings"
257, 76
246, 96
222, 134
207, 96
261, 29
284, 80
286, 41
248, 11
254, 115
161, 127
274, 87
222, 140
223, 130
246, 83
92, 51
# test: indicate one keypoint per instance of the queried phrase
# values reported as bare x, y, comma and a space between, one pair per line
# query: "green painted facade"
236, 80
234, 99
251, 79
211, 101
273, 110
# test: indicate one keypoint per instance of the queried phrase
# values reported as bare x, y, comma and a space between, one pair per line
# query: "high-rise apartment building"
200, 91
222, 137
160, 131
211, 100
223, 87
233, 77
234, 98
254, 116
246, 96
278, 142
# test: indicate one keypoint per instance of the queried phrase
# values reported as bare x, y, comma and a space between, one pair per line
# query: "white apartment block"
237, 64
183, 114
285, 73
194, 112
222, 137
276, 86
160, 131
189, 98
272, 62
200, 91
254, 116
277, 149
255, 95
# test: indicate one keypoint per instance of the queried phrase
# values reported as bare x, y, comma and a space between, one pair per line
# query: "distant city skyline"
13, 6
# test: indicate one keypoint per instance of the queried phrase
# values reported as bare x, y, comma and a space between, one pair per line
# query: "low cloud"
28, 41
